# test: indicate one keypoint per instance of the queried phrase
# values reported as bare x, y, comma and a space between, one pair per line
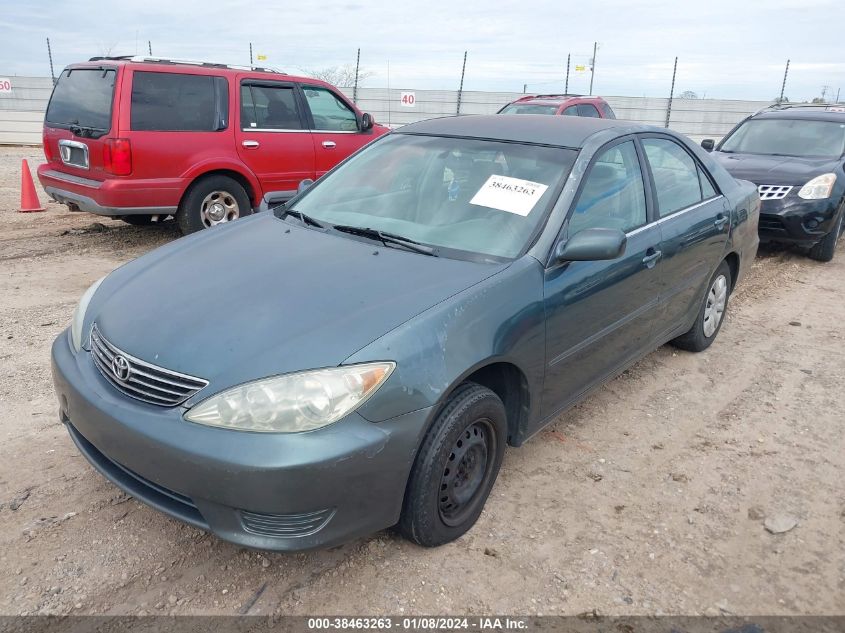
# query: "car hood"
774, 170
263, 297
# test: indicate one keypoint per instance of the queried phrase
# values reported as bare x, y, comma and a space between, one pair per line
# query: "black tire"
190, 216
696, 339
138, 220
825, 249
455, 468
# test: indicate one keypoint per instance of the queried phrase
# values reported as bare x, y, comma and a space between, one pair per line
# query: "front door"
599, 314
694, 221
273, 138
335, 127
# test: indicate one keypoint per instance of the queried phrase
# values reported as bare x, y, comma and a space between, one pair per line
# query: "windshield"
82, 97
788, 137
476, 196
529, 108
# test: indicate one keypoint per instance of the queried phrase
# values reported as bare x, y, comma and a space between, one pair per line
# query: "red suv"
142, 139
569, 105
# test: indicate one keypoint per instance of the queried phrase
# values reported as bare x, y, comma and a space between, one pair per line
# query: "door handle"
721, 221
250, 144
651, 260
329, 144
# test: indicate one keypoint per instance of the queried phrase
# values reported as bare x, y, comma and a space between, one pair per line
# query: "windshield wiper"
386, 238
306, 219
84, 130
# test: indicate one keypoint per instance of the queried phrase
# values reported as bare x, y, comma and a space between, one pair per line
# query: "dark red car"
569, 105
142, 139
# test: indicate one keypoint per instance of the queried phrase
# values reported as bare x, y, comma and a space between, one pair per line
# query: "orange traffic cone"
29, 199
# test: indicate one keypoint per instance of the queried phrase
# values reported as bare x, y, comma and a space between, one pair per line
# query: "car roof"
553, 99
807, 113
538, 129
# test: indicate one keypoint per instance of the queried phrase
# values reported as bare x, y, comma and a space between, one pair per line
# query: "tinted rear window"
83, 97
178, 102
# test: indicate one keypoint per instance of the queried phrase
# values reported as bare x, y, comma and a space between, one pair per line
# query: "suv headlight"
79, 315
292, 403
818, 188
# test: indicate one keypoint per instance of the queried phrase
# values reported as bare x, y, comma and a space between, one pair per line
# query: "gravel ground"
648, 498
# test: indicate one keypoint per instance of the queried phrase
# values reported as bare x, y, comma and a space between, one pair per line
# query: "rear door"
599, 315
695, 221
272, 136
79, 119
334, 125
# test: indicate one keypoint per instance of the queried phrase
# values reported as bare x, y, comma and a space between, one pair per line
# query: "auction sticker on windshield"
509, 194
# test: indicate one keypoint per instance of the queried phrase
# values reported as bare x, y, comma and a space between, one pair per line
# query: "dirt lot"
648, 498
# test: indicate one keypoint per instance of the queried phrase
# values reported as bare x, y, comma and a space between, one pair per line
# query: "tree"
341, 76
688, 94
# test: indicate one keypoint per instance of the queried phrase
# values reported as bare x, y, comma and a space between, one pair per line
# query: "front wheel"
211, 201
825, 249
456, 467
711, 315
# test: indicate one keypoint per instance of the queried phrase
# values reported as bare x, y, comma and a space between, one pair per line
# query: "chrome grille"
773, 192
141, 380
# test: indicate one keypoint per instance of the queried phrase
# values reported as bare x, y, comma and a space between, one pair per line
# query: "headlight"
79, 315
292, 403
818, 188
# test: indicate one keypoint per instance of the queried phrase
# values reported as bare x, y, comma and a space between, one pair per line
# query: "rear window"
83, 97
175, 102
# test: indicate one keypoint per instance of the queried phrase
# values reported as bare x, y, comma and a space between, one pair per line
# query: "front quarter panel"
498, 320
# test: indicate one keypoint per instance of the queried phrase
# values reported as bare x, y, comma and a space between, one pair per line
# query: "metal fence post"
150, 47
593, 66
50, 56
566, 87
461, 88
250, 55
357, 67
671, 93
783, 85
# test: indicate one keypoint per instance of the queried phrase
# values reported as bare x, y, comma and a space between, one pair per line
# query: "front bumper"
267, 491
795, 220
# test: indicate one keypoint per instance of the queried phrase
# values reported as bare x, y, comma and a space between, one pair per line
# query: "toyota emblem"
120, 367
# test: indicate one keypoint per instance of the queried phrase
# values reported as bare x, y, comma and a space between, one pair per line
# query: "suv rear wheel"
211, 201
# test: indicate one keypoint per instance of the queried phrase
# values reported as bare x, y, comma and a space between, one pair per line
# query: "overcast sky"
734, 49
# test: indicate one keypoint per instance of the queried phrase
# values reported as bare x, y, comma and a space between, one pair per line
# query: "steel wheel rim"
714, 309
219, 207
467, 471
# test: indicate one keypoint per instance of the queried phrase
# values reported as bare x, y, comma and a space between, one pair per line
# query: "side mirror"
304, 184
366, 121
592, 245
709, 144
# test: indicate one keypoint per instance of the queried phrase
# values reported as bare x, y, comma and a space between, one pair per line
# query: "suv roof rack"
546, 96
789, 106
188, 62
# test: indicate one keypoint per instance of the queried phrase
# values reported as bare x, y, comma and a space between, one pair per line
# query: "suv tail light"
45, 143
117, 156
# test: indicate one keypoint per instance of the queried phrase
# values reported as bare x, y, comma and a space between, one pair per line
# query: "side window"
585, 109
330, 112
571, 111
607, 111
707, 188
175, 102
269, 108
675, 173
613, 196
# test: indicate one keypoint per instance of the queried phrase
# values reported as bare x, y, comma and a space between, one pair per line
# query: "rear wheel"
456, 467
824, 250
711, 315
211, 201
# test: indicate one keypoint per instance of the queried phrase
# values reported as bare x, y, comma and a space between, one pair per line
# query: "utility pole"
825, 90
566, 87
593, 66
50, 56
783, 86
150, 47
837, 94
671, 93
357, 67
250, 55
524, 88
461, 88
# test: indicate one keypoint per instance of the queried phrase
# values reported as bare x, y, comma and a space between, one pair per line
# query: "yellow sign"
580, 69
261, 58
